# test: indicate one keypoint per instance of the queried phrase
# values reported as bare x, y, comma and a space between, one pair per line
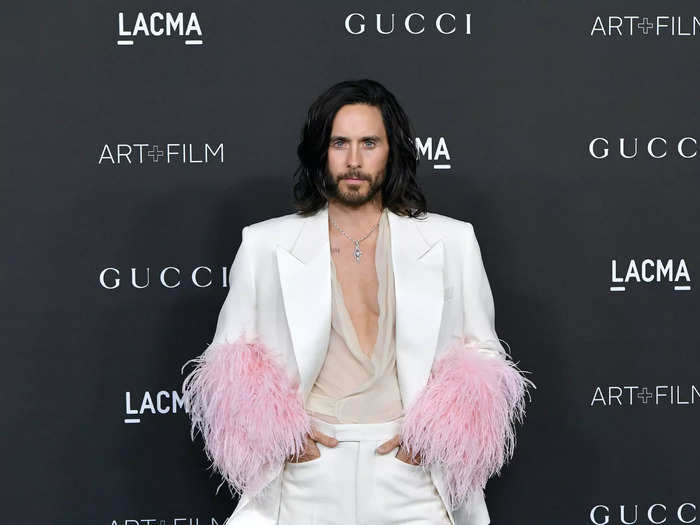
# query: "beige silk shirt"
353, 387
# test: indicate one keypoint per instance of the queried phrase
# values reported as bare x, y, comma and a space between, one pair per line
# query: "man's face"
357, 155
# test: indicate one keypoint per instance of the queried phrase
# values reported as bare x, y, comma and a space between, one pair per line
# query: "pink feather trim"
463, 418
247, 409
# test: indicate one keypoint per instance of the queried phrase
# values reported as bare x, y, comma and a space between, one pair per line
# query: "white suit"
280, 291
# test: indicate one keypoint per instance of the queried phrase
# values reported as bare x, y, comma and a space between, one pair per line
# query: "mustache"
353, 175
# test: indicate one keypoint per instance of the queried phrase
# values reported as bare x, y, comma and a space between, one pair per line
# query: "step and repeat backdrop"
140, 137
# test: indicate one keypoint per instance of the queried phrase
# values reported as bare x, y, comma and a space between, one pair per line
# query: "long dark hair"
400, 191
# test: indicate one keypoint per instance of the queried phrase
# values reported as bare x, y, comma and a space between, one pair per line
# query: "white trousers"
351, 484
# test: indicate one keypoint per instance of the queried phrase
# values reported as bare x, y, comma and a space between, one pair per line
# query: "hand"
403, 454
311, 450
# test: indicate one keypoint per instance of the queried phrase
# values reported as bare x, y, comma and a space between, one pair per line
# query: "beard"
357, 195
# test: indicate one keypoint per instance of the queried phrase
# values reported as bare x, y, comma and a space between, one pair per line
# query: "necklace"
356, 252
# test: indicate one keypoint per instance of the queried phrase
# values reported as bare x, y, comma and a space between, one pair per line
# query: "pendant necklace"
356, 252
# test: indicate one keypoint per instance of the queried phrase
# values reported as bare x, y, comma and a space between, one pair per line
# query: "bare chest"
359, 284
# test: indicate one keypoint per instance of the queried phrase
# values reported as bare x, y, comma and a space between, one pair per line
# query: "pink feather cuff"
247, 409
463, 419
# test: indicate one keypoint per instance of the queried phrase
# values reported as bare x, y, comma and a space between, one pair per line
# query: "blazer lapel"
304, 274
418, 282
305, 280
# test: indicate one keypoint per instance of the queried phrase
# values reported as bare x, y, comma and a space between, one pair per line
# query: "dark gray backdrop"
517, 103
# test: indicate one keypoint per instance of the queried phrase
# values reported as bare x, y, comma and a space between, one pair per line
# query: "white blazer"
280, 289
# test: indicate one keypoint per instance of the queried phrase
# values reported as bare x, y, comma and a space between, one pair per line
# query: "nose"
354, 157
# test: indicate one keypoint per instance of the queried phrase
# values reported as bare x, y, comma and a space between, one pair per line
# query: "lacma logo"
651, 271
434, 152
162, 402
159, 25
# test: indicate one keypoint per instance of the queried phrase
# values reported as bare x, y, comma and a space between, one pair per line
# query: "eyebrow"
369, 137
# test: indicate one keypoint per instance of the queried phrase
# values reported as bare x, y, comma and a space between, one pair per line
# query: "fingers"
405, 455
322, 438
389, 445
311, 451
402, 454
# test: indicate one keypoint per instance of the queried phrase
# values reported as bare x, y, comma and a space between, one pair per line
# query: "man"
355, 376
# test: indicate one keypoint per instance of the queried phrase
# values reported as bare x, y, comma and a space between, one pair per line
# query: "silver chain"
356, 252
